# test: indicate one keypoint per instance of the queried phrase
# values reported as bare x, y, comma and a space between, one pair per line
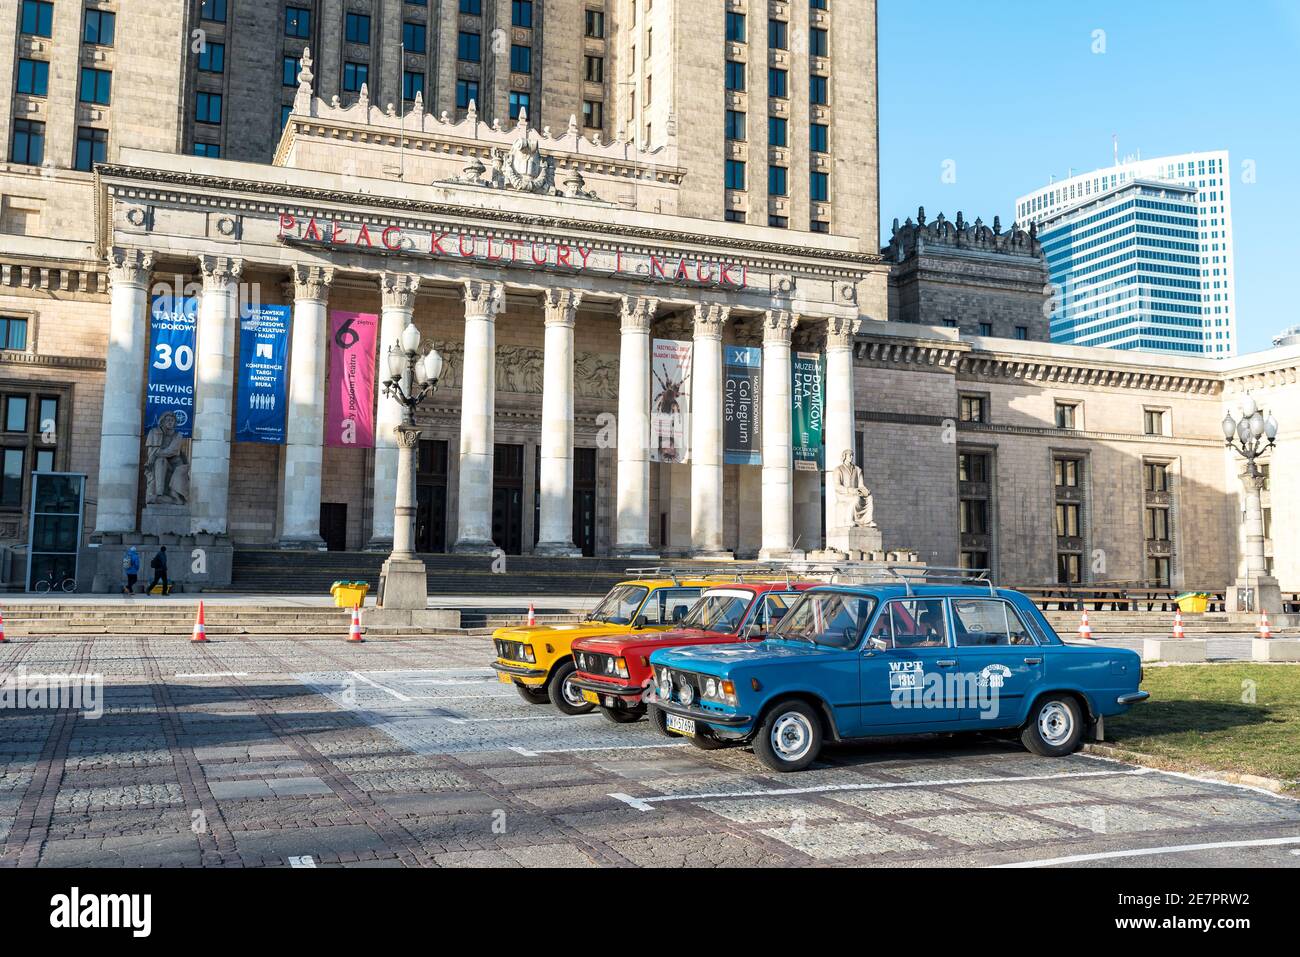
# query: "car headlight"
720, 690
620, 666
687, 693
526, 654
665, 685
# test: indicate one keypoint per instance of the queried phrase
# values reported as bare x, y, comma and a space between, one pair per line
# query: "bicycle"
46, 585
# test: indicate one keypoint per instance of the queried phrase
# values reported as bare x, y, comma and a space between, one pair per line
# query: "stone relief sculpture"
854, 496
523, 168
520, 369
166, 464
910, 236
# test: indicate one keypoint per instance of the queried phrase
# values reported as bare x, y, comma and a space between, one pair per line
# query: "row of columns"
129, 272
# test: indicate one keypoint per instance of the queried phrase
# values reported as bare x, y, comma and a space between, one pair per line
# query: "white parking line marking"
1200, 780
642, 804
213, 674
613, 747
534, 717
1148, 851
396, 694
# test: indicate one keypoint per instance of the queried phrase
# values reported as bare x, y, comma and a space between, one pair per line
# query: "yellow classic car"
538, 659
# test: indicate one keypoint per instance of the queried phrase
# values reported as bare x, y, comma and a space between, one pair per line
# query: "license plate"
504, 679
680, 725
591, 696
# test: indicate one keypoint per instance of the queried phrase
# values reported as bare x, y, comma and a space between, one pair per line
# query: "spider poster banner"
670, 387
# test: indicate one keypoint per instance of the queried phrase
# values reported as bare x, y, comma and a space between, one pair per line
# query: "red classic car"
613, 671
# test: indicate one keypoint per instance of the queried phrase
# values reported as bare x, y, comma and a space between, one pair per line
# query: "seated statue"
853, 494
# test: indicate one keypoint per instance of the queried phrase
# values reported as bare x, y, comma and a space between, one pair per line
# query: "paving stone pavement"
251, 751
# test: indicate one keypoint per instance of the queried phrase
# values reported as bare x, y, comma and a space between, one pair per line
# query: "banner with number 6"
350, 423
170, 389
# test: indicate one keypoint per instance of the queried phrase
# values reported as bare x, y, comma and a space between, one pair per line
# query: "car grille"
596, 664
509, 650
680, 679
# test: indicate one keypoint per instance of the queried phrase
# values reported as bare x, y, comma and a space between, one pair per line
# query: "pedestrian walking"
159, 565
131, 569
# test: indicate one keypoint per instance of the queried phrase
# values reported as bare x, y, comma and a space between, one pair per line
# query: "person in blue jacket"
131, 568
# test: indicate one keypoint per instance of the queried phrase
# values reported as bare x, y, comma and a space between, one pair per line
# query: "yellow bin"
349, 594
1193, 602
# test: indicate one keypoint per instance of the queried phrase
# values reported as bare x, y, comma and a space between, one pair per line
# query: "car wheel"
622, 715
790, 737
564, 694
1055, 727
532, 695
657, 721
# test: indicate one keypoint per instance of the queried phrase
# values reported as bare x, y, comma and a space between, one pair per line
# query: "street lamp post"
1250, 435
412, 377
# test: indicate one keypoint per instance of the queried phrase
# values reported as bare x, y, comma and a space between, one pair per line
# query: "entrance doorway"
334, 525
508, 498
431, 497
584, 500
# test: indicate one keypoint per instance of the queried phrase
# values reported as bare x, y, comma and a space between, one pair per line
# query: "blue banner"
263, 358
741, 405
170, 389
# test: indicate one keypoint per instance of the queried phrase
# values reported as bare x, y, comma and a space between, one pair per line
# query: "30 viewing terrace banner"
808, 408
172, 326
670, 387
350, 422
263, 356
742, 370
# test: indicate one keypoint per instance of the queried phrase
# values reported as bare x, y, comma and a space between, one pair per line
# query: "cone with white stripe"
1264, 631
1178, 624
1085, 629
2, 629
200, 629
354, 633
532, 615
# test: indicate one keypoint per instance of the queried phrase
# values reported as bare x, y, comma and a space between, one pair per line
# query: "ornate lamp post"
1250, 436
412, 377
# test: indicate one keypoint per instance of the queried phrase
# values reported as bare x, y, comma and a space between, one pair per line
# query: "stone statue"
166, 464
850, 486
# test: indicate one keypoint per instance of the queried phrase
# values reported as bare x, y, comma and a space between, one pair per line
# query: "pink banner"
351, 419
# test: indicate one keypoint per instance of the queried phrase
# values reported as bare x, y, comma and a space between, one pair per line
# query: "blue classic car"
875, 660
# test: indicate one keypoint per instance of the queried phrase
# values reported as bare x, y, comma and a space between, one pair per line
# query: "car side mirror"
750, 631
679, 613
639, 621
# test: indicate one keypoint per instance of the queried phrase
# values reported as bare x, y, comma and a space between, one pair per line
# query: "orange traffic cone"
1085, 629
2, 629
200, 630
1264, 631
1178, 624
532, 615
354, 633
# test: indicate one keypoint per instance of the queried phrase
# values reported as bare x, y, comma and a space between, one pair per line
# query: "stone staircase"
136, 617
1106, 623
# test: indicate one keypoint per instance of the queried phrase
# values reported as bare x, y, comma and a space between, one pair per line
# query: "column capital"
709, 320
840, 331
483, 300
130, 267
638, 313
562, 306
220, 271
399, 289
778, 325
311, 283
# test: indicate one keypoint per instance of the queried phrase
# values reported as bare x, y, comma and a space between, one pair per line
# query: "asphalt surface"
291, 751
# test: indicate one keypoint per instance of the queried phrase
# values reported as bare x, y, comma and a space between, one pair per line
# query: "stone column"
398, 290
839, 413
305, 431
778, 451
124, 377
706, 433
556, 450
483, 300
214, 391
632, 524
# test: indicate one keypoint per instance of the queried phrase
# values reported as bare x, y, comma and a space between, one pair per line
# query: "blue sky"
1012, 92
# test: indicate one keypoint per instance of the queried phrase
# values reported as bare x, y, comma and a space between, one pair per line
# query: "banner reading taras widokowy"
263, 354
173, 322
350, 422
807, 411
670, 388
741, 404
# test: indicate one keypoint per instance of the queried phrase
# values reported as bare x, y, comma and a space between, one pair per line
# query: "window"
469, 46
983, 621
976, 560
212, 59
818, 42
819, 138
778, 82
1153, 421
779, 222
974, 515
986, 328
594, 69
413, 35
911, 624
214, 10
207, 107
466, 93
521, 59
1067, 520
1157, 524
818, 90
13, 333
819, 187
669, 605
357, 28
734, 215
816, 4
1067, 415
1066, 473
297, 22
1068, 568
776, 180
289, 71
355, 76
735, 125
735, 174
16, 413
286, 111
972, 467
519, 102
827, 618
736, 27
412, 83
472, 7
735, 75
521, 13
777, 35
720, 612
593, 114
1157, 570
595, 24
33, 77
99, 28
971, 408
11, 484
29, 143
776, 130
819, 226
92, 148
1022, 333
38, 18
210, 150
1157, 477
96, 86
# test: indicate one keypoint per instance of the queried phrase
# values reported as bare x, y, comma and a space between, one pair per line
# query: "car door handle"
1033, 661
947, 663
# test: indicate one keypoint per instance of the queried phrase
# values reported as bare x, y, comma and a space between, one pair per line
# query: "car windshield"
834, 619
720, 612
618, 607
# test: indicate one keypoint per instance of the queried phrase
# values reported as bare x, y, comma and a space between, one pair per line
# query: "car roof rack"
908, 575
737, 572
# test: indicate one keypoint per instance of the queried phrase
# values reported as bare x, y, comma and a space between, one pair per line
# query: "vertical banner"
670, 387
263, 359
170, 390
807, 410
742, 405
350, 422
